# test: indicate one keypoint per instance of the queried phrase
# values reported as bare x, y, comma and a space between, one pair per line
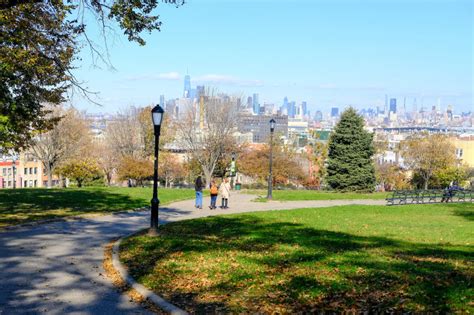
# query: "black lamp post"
270, 175
13, 171
157, 117
232, 170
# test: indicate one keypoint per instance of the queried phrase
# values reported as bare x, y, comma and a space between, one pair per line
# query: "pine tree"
350, 166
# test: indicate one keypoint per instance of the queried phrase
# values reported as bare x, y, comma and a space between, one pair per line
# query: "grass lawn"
25, 205
416, 258
292, 195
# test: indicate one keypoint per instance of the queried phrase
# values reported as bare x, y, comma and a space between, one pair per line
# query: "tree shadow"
289, 266
26, 205
460, 210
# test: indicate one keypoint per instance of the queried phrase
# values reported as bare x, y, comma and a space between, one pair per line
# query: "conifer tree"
350, 166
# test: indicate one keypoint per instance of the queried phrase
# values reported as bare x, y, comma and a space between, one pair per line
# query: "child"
214, 191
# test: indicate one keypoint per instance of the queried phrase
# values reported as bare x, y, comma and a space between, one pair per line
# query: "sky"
329, 53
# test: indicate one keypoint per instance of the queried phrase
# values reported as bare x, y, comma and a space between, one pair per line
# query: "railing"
403, 197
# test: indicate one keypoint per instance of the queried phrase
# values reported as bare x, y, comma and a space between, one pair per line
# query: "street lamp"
270, 176
157, 117
13, 171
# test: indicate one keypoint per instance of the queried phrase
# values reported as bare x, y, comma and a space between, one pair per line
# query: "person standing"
224, 190
214, 191
198, 185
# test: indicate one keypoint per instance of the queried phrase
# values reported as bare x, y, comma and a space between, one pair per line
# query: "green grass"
25, 205
414, 258
293, 195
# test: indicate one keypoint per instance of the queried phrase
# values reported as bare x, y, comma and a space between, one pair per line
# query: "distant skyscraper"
318, 117
291, 109
187, 86
162, 101
256, 104
334, 112
200, 90
393, 105
386, 104
249, 102
304, 107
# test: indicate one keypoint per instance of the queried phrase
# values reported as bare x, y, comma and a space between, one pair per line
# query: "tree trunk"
207, 175
49, 173
79, 183
109, 178
426, 184
166, 182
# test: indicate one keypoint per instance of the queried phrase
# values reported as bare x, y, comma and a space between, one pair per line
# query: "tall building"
334, 112
249, 102
187, 86
393, 105
304, 107
200, 90
291, 109
259, 126
255, 104
318, 117
162, 101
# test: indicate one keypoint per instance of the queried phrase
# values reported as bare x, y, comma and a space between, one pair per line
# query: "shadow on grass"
282, 265
461, 211
25, 205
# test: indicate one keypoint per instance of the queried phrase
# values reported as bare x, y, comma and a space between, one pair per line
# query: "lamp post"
232, 170
13, 171
157, 117
270, 175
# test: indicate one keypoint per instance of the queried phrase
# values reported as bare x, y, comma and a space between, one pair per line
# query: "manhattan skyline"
327, 53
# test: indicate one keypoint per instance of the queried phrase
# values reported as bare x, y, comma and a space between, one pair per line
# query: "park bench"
402, 197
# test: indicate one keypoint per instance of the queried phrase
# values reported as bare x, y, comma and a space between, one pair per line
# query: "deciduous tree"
68, 139
214, 141
135, 169
81, 170
428, 154
38, 43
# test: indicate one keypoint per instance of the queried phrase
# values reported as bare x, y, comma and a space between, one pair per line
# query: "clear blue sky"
328, 53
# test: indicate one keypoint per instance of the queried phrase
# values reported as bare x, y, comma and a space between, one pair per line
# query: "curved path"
56, 268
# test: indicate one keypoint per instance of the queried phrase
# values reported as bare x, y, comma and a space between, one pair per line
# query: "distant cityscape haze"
328, 53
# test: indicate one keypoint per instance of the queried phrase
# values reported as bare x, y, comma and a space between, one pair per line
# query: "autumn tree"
350, 166
170, 168
136, 169
254, 163
39, 41
106, 158
68, 139
390, 176
214, 141
427, 154
80, 170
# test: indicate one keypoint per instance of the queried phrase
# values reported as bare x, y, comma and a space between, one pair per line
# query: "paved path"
56, 268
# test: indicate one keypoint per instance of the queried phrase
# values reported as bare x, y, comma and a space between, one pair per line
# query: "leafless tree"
207, 135
69, 138
124, 135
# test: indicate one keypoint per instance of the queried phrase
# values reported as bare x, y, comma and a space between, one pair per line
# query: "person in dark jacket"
198, 188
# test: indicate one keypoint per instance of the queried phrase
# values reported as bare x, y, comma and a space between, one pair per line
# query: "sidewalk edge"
146, 293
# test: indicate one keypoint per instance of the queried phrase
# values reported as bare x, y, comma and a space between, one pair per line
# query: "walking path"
56, 268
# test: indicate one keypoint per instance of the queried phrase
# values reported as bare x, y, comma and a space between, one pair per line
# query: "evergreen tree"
350, 166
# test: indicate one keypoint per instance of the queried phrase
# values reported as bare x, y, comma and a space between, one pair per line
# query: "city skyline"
333, 54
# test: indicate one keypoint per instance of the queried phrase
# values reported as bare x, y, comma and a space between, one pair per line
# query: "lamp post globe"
157, 118
270, 175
